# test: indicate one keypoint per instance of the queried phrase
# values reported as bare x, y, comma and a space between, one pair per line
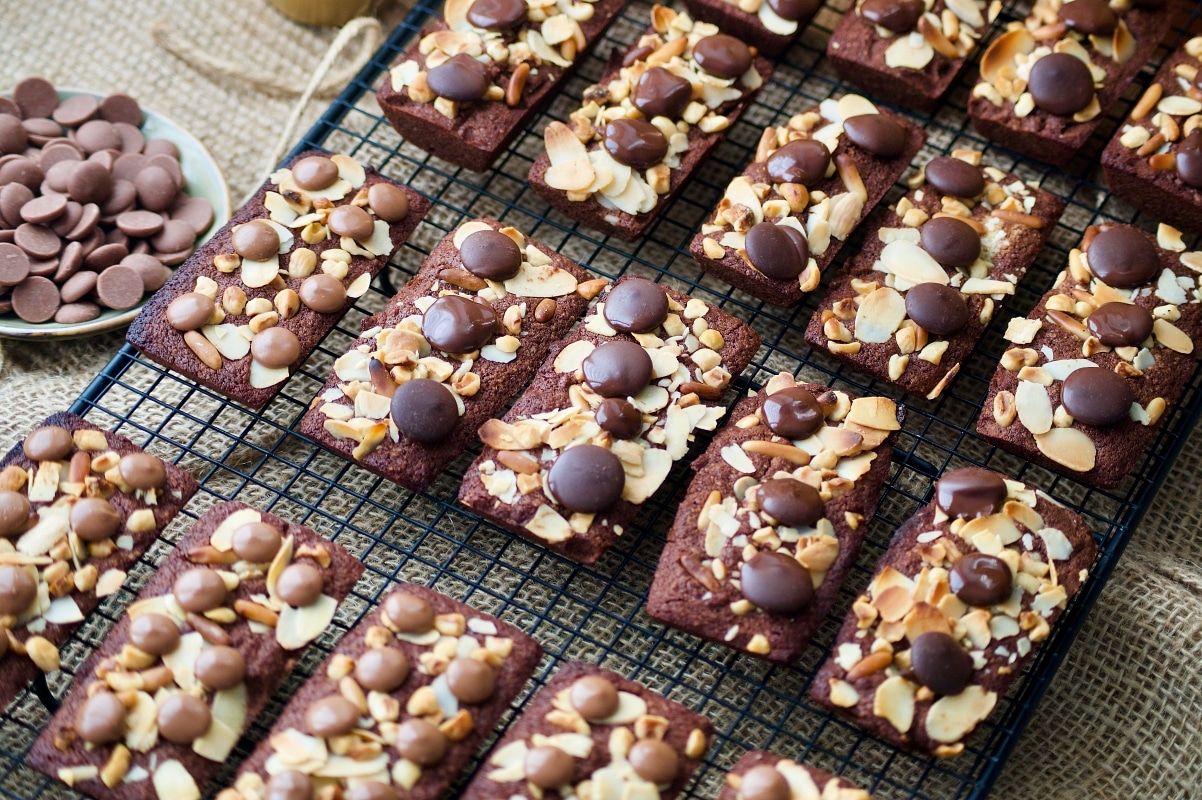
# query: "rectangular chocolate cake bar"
912, 304
811, 183
1154, 160
448, 352
968, 588
775, 517
589, 727
1107, 350
909, 53
158, 708
609, 413
246, 310
769, 26
470, 84
1048, 111
78, 507
658, 111
760, 775
401, 706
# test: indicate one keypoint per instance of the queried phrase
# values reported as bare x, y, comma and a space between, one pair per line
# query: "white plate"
202, 178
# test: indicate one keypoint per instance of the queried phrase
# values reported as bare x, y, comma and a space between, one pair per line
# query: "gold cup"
333, 13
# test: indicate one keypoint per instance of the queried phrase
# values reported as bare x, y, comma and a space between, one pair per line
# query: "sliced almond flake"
483, 626
1034, 407
911, 265
1003, 627
1058, 546
349, 170
734, 455
50, 529
630, 708
548, 525
1168, 290
222, 538
894, 702
656, 466
467, 229
542, 281
1062, 368
1022, 331
264, 377
228, 340
181, 660
63, 611
651, 399
986, 286
1068, 447
879, 315
952, 718
109, 582
173, 782
257, 274
228, 720
346, 767
1172, 337
299, 626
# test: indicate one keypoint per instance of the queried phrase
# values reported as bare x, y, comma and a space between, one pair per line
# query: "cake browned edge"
681, 722
589, 546
420, 124
691, 612
879, 175
903, 555
511, 680
156, 339
922, 377
267, 665
413, 464
16, 672
631, 226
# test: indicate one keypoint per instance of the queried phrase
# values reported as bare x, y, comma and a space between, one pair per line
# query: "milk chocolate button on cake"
159, 707
911, 305
590, 732
78, 507
810, 184
908, 52
968, 588
468, 87
657, 112
448, 352
398, 709
1154, 160
1093, 368
760, 775
774, 517
250, 306
92, 214
1049, 80
596, 433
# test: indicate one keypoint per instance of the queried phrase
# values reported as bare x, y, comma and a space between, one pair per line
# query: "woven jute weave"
1121, 718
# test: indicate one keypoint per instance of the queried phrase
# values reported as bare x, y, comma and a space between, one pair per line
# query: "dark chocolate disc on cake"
101, 719
424, 410
655, 761
764, 782
421, 742
776, 583
14, 512
876, 133
491, 255
455, 324
980, 579
660, 93
1120, 324
587, 479
1091, 17
722, 56
290, 784
548, 767
1189, 160
970, 492
778, 251
790, 502
48, 443
636, 305
331, 716
617, 369
794, 10
471, 680
255, 240
793, 413
1122, 257
619, 418
275, 347
938, 309
220, 667
953, 177
940, 663
382, 669
803, 161
593, 697
1061, 84
498, 15
156, 634
951, 242
315, 172
635, 142
1097, 396
182, 718
899, 16
460, 78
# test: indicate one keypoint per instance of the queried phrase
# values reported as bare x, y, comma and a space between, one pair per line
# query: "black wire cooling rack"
595, 614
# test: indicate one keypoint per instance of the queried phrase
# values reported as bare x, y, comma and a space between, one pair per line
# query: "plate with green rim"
202, 178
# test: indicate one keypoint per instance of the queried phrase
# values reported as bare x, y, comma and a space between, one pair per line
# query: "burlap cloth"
1122, 717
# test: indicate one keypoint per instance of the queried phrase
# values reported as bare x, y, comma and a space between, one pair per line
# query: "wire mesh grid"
595, 614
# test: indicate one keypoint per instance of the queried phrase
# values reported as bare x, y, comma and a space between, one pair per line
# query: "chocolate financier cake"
968, 588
